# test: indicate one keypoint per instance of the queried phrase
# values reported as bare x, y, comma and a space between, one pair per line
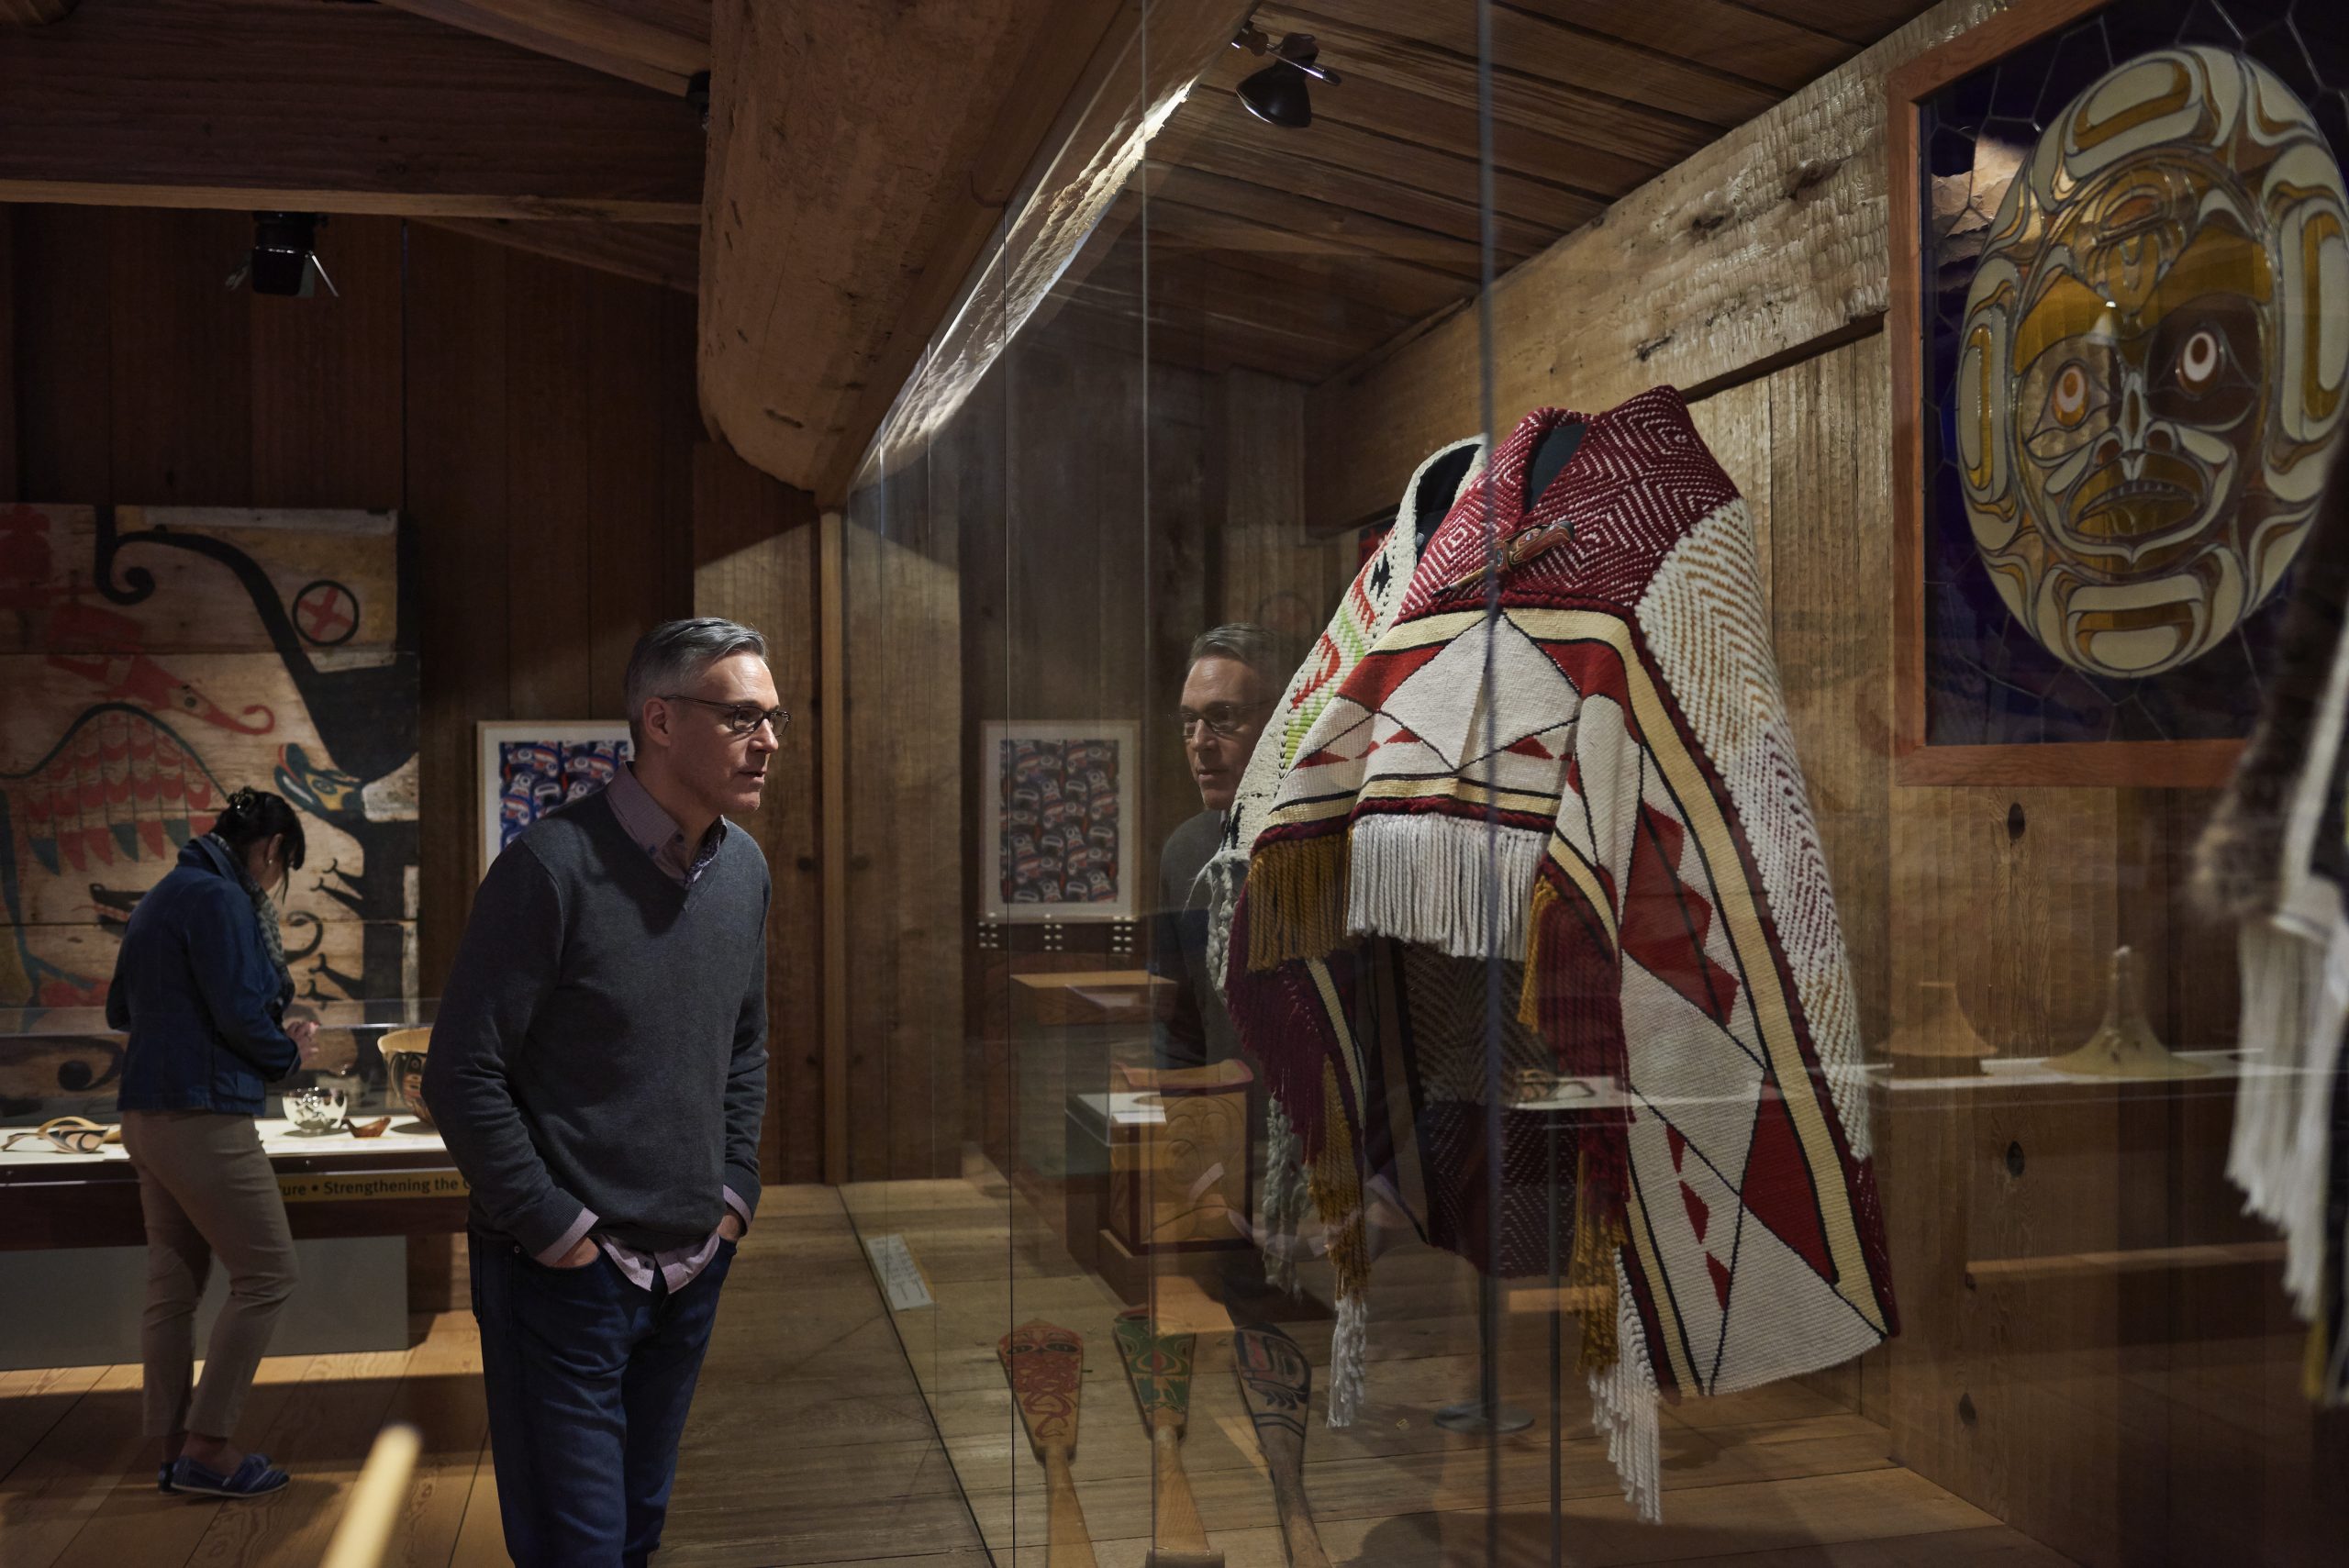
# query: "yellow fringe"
1336, 1186
1592, 1269
1296, 900
1529, 995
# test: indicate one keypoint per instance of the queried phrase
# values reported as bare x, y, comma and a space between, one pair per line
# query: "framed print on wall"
2119, 256
1058, 821
527, 769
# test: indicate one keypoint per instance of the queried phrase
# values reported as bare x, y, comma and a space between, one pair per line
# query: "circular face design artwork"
2152, 362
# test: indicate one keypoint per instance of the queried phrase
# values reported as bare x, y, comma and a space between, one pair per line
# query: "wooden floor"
813, 1441
1770, 1479
803, 1363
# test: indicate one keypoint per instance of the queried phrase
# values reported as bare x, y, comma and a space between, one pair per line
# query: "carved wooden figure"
1276, 1384
1046, 1365
1159, 1367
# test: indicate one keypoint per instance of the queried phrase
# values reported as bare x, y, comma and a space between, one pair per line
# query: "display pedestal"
82, 1307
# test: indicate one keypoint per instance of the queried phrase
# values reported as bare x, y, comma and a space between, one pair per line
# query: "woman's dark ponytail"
253, 814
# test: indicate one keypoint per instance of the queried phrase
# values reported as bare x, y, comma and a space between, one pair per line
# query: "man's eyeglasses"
741, 717
1223, 720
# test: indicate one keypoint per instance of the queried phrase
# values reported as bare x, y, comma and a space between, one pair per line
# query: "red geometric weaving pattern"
1665, 920
1639, 475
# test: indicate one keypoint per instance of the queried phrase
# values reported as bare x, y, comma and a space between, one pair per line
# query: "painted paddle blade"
1158, 1366
1277, 1386
1046, 1365
1276, 1380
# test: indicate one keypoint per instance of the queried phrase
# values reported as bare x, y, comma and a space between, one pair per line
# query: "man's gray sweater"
602, 1039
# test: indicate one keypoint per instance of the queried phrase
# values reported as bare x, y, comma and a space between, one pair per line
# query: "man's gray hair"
1251, 644
672, 655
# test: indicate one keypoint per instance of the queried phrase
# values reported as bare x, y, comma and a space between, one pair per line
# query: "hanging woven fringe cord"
1623, 1409
1597, 784
2274, 859
1282, 1204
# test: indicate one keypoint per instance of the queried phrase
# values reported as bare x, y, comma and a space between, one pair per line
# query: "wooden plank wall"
1055, 556
1751, 253
754, 561
1082, 519
537, 420
902, 608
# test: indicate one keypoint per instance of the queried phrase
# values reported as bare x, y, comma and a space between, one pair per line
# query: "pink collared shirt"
657, 834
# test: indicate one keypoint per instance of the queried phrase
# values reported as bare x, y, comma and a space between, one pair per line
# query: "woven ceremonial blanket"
1597, 785
2275, 858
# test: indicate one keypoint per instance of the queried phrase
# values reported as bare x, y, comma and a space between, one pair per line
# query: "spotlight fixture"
1278, 94
284, 259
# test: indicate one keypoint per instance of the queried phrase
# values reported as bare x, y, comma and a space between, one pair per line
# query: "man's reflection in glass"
1234, 681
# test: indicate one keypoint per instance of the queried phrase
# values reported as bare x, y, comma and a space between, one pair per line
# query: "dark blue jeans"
588, 1379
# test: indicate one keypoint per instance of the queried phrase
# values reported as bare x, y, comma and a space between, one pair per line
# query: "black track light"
284, 259
1279, 94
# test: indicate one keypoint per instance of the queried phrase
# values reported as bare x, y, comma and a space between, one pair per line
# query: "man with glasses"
599, 1069
1235, 679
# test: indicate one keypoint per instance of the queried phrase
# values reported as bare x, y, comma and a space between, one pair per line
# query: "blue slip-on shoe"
254, 1478
164, 1478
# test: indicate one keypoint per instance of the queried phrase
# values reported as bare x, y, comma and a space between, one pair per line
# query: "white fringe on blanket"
1432, 880
2294, 1006
1224, 874
1280, 1207
1349, 1349
1623, 1406
2295, 1002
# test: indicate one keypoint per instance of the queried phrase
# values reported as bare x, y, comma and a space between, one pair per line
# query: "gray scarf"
264, 917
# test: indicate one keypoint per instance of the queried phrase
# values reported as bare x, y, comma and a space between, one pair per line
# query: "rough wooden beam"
332, 108
859, 163
851, 162
668, 254
1769, 240
662, 51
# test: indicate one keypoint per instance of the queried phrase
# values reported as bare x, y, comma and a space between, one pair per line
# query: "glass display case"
1420, 992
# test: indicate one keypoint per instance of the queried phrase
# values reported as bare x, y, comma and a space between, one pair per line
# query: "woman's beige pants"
206, 1190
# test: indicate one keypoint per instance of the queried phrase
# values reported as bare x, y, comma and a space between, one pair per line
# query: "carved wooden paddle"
1046, 1365
1276, 1384
1159, 1367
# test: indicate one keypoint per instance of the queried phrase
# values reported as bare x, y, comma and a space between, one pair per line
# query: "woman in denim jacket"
201, 987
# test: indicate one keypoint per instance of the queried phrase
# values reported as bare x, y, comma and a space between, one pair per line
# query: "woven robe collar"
1492, 512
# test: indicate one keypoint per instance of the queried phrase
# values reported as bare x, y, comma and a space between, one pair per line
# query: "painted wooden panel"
158, 660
